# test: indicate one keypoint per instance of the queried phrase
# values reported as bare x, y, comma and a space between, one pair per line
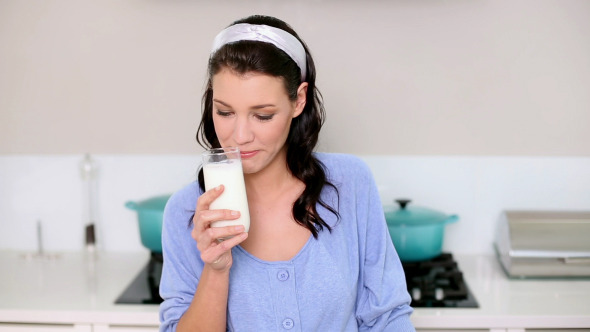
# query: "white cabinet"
556, 330
124, 328
503, 330
6, 327
447, 330
20, 327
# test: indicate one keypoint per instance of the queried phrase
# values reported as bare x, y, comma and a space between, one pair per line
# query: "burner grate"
437, 282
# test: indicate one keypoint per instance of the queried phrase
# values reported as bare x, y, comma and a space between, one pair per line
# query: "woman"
317, 256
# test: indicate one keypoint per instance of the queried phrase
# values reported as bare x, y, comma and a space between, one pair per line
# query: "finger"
223, 233
209, 196
236, 239
204, 219
216, 251
228, 244
211, 236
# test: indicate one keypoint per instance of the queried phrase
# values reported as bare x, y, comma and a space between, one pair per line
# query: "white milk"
234, 197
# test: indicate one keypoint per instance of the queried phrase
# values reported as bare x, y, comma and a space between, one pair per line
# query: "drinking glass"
224, 166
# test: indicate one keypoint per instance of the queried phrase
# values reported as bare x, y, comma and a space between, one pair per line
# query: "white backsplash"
49, 188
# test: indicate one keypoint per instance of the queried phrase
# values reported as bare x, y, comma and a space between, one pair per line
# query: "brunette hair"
254, 56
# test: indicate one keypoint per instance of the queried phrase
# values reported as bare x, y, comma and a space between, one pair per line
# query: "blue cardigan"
349, 279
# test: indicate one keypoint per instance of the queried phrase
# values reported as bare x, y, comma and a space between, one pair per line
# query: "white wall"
399, 77
469, 107
49, 188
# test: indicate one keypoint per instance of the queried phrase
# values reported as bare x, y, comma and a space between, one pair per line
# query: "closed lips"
248, 154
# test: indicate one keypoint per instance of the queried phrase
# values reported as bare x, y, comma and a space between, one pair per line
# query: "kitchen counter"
515, 304
72, 289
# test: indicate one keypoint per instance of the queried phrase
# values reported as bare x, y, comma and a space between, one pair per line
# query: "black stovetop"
144, 289
438, 282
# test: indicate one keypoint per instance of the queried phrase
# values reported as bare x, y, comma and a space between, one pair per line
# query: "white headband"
267, 34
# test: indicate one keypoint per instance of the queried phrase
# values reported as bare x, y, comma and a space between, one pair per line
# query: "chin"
252, 167
249, 169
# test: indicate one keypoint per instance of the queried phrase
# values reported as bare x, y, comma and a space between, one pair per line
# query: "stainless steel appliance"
544, 243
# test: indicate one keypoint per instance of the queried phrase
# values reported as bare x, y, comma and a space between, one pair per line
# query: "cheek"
222, 129
279, 133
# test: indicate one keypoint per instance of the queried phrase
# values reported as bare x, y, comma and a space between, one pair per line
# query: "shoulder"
340, 165
183, 201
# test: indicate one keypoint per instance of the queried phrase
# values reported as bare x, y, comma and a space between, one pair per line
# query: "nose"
243, 134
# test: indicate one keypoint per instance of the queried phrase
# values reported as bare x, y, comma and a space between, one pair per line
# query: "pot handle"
403, 202
451, 219
132, 205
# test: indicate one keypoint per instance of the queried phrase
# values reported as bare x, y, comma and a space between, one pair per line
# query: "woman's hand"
215, 252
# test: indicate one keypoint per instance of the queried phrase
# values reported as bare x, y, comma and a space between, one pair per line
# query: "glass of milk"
224, 166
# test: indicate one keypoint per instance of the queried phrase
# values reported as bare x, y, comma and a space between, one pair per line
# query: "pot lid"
413, 215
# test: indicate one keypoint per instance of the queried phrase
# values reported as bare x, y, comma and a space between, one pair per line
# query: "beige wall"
398, 77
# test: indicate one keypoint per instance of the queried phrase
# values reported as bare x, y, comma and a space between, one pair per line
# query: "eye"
224, 113
264, 117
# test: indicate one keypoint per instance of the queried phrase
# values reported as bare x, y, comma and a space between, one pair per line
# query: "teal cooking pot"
150, 213
417, 232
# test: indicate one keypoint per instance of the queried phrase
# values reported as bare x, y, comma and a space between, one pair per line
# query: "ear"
301, 99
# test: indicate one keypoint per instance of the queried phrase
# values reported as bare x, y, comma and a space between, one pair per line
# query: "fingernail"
239, 228
235, 213
218, 188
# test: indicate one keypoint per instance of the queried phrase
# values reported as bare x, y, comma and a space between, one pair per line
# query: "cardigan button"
283, 275
288, 323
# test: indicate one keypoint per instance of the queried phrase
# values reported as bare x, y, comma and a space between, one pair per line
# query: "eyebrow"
253, 107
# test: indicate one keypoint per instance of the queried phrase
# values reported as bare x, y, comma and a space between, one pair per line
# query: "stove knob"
439, 294
416, 294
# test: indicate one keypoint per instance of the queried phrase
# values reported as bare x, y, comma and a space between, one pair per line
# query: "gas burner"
438, 282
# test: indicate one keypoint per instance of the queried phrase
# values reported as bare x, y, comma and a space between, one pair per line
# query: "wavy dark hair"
253, 56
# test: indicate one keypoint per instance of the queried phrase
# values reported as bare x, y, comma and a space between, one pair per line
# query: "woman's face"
254, 113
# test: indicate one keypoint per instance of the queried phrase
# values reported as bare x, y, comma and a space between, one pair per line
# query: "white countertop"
72, 289
512, 303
